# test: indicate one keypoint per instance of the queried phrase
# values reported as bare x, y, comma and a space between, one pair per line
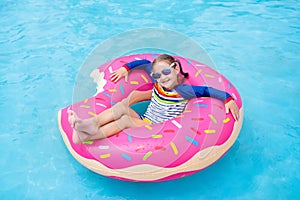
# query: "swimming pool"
255, 45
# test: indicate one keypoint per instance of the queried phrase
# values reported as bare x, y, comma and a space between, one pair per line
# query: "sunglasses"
165, 72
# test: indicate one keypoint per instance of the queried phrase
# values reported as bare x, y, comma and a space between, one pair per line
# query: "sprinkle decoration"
102, 147
148, 127
102, 105
176, 124
213, 118
122, 89
159, 148
105, 155
92, 113
144, 78
156, 136
196, 131
198, 119
221, 108
88, 142
191, 140
147, 155
169, 131
86, 100
134, 82
84, 106
107, 94
112, 90
110, 69
188, 111
226, 120
126, 156
175, 150
129, 138
209, 76
201, 105
139, 147
209, 131
233, 95
100, 99
198, 72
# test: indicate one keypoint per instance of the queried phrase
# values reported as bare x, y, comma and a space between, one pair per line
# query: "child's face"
168, 75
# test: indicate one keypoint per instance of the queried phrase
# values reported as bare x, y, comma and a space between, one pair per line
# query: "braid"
185, 74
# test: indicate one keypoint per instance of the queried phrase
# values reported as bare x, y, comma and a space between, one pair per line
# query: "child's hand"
233, 108
118, 74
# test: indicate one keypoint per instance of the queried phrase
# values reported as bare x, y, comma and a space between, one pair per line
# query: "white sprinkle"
199, 65
220, 79
110, 69
102, 105
198, 101
233, 95
103, 147
137, 58
176, 124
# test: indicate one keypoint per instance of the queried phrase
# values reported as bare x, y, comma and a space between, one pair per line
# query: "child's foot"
79, 137
87, 126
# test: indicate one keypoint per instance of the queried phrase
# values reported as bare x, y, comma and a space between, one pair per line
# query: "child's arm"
189, 92
124, 70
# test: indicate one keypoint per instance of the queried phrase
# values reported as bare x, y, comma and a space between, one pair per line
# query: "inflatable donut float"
179, 147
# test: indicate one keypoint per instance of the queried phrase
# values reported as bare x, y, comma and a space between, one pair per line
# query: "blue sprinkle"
112, 103
129, 138
191, 140
229, 85
201, 105
107, 94
189, 62
154, 56
126, 156
122, 89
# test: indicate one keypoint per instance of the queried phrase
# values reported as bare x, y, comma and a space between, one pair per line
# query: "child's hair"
170, 60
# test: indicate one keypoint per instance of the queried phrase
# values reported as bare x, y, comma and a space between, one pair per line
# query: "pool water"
256, 45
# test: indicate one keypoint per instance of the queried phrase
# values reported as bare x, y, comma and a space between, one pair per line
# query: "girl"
169, 97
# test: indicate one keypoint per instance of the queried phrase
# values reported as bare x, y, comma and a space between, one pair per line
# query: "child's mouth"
165, 81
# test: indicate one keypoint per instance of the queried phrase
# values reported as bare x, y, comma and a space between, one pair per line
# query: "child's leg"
109, 129
91, 125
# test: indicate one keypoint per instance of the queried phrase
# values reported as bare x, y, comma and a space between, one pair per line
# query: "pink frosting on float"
203, 124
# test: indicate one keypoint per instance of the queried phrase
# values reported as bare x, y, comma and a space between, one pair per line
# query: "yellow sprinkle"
157, 136
84, 106
134, 82
212, 118
174, 148
86, 100
145, 79
92, 113
198, 72
112, 90
226, 120
209, 76
147, 155
148, 127
188, 111
209, 131
105, 155
179, 116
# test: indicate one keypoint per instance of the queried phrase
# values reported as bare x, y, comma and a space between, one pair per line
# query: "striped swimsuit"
164, 105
